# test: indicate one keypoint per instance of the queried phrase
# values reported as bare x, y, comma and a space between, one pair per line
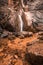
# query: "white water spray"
21, 23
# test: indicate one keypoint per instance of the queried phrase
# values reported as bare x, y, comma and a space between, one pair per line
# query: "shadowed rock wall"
35, 7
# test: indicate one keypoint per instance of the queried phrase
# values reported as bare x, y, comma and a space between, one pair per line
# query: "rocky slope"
21, 48
21, 51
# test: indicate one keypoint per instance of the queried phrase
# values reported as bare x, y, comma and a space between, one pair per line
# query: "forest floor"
21, 51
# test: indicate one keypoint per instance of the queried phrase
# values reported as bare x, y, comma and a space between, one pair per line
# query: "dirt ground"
18, 51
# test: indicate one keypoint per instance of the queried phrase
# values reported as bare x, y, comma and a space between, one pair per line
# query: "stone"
27, 34
1, 30
16, 56
17, 34
4, 35
27, 20
11, 37
40, 33
40, 37
38, 20
21, 36
28, 44
8, 18
35, 4
2, 3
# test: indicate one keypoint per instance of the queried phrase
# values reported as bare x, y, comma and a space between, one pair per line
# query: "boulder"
38, 20
3, 2
8, 18
27, 20
35, 4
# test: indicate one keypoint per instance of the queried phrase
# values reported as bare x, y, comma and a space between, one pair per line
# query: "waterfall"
21, 23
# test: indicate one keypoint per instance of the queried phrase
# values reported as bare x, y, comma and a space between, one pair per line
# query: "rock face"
27, 20
30, 21
8, 18
3, 2
36, 7
38, 20
35, 4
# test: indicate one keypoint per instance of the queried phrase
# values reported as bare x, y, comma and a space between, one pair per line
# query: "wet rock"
40, 33
27, 34
17, 34
35, 4
7, 21
40, 37
30, 33
21, 36
4, 34
12, 19
38, 20
1, 30
2, 3
27, 20
11, 37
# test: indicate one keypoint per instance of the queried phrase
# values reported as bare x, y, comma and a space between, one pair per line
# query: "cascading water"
21, 23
